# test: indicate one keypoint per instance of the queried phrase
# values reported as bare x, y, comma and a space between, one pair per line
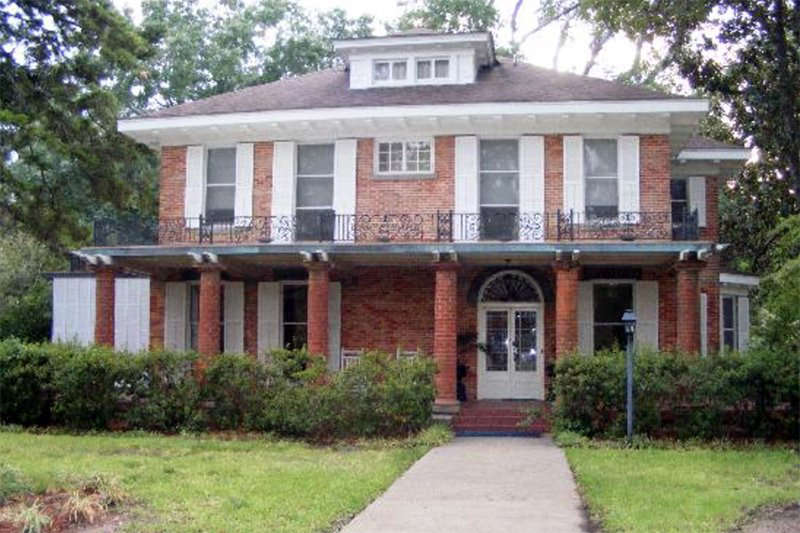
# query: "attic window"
428, 69
385, 71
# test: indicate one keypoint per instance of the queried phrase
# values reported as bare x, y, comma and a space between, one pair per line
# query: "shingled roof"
503, 82
698, 142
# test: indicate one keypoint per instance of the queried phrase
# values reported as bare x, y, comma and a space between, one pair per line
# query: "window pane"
219, 202
728, 339
678, 211
609, 337
383, 161
442, 68
396, 157
499, 223
496, 341
601, 192
423, 69
295, 303
600, 157
295, 336
677, 190
525, 341
425, 160
611, 301
315, 224
381, 71
728, 312
221, 165
399, 70
499, 155
314, 192
315, 159
499, 188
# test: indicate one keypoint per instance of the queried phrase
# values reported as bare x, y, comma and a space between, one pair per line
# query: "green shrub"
26, 395
234, 391
12, 482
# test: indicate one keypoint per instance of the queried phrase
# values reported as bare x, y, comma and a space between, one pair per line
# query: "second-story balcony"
490, 225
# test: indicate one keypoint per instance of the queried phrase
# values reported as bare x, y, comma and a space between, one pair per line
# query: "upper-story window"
220, 183
315, 217
600, 173
433, 69
405, 156
390, 70
499, 189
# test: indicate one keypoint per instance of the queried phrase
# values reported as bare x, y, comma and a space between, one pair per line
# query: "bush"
26, 395
753, 395
234, 391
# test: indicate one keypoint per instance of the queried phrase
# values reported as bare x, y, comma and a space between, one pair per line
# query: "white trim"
515, 272
390, 81
399, 173
352, 44
725, 154
739, 279
577, 107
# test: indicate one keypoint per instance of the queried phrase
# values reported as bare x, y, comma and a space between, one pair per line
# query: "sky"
616, 56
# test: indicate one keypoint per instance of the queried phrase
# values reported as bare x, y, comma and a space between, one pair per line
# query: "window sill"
403, 177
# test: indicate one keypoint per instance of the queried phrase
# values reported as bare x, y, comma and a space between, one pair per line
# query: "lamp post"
629, 321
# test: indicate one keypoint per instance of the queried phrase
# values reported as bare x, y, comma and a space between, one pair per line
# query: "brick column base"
688, 306
566, 307
104, 307
208, 328
157, 313
445, 350
318, 288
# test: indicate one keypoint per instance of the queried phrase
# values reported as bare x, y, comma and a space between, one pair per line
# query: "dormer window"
433, 69
388, 71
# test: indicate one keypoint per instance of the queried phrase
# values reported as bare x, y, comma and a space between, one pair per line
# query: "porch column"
566, 307
318, 287
104, 306
208, 328
444, 336
688, 306
158, 299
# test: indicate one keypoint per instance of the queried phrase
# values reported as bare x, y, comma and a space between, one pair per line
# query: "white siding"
283, 184
573, 174
234, 317
334, 324
466, 183
697, 198
586, 317
74, 309
628, 190
195, 184
646, 307
269, 314
344, 187
131, 314
531, 183
243, 199
175, 311
360, 73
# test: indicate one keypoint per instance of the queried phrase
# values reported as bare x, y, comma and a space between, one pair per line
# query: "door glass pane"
500, 155
315, 160
295, 303
499, 188
677, 189
600, 157
219, 202
314, 192
294, 336
609, 337
611, 301
525, 349
496, 341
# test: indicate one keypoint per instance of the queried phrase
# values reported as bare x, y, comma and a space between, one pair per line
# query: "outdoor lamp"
629, 321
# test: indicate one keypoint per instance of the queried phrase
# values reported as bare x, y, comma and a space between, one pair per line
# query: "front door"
510, 359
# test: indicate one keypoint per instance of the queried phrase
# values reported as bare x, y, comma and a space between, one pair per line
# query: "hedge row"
293, 394
750, 395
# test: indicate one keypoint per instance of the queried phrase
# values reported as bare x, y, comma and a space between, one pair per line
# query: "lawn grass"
682, 489
206, 484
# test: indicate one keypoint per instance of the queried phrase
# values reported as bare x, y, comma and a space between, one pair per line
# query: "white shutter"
586, 317
646, 308
243, 199
283, 188
703, 324
233, 316
334, 324
743, 315
269, 314
58, 327
466, 188
195, 185
573, 174
531, 187
73, 309
628, 172
344, 188
175, 311
697, 198
131, 314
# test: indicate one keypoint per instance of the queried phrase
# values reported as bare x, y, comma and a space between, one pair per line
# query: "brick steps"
496, 418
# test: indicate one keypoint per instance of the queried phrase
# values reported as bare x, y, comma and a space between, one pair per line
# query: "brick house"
422, 197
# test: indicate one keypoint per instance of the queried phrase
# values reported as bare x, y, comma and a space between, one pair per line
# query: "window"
680, 199
404, 157
220, 183
315, 215
192, 326
600, 171
499, 189
295, 316
428, 69
610, 302
389, 70
730, 323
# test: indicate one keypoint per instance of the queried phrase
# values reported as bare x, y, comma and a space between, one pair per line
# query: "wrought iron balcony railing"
491, 224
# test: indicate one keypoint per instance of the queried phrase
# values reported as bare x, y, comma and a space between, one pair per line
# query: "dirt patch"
79, 511
784, 519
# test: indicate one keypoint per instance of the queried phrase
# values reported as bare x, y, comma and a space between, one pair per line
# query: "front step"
497, 418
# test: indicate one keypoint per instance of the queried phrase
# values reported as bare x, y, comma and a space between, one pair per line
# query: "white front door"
510, 358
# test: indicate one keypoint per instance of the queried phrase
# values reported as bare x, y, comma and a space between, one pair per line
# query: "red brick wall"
655, 173
688, 307
708, 280
445, 349
667, 310
553, 179
566, 315
318, 290
157, 313
172, 182
711, 231
251, 317
104, 307
208, 329
262, 179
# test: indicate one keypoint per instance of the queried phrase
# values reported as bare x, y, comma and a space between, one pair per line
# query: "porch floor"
499, 418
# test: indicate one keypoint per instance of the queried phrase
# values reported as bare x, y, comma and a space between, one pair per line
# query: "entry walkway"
480, 485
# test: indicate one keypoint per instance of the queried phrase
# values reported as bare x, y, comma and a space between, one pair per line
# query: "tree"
450, 16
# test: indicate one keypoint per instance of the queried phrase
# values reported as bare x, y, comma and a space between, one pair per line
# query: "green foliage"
12, 482
33, 519
451, 16
753, 394
25, 378
235, 387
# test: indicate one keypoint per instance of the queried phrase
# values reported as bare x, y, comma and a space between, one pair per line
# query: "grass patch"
190, 483
682, 488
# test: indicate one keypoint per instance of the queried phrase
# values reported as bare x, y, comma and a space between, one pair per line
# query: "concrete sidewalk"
480, 485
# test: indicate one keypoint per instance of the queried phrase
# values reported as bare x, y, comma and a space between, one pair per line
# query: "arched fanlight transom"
510, 287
